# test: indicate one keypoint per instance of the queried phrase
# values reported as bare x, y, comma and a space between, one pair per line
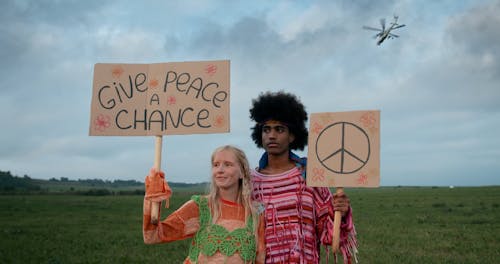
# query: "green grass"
394, 225
428, 225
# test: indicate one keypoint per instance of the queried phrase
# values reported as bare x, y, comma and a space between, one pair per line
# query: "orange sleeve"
261, 242
181, 224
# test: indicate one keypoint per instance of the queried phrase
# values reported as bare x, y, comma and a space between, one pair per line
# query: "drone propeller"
398, 26
382, 23
372, 28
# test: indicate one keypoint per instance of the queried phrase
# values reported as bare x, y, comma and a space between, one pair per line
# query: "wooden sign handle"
155, 206
336, 224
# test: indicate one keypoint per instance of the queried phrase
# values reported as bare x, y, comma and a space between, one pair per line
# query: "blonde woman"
224, 225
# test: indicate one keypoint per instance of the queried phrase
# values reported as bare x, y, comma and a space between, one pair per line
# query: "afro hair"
283, 107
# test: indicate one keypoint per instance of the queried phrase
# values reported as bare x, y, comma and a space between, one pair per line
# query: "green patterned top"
211, 238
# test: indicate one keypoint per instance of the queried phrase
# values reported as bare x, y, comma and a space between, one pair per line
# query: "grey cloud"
477, 29
249, 37
476, 33
64, 13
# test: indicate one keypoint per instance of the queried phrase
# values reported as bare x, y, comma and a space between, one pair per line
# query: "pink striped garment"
298, 218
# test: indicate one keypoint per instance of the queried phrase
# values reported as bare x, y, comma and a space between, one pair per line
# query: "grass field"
394, 225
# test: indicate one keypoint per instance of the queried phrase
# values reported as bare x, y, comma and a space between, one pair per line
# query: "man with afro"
298, 218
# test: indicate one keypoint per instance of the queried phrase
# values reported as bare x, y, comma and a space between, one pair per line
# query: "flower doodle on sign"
219, 121
211, 69
368, 120
316, 128
171, 100
318, 174
362, 179
102, 122
117, 72
153, 83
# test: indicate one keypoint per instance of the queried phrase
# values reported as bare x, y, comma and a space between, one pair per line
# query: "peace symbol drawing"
335, 148
345, 147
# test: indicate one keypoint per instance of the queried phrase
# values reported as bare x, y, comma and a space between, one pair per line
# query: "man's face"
276, 137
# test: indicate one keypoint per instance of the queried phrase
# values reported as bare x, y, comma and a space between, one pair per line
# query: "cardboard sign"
344, 149
160, 99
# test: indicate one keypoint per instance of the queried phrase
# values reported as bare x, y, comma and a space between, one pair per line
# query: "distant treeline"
100, 182
8, 182
14, 184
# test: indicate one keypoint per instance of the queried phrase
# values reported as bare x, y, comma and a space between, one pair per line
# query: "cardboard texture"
344, 149
160, 99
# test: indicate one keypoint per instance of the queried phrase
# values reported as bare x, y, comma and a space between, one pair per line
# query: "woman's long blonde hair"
244, 188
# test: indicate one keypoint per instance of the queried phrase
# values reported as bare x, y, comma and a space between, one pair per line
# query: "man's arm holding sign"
336, 219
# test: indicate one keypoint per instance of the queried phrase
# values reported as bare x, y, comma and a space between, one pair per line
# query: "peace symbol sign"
343, 147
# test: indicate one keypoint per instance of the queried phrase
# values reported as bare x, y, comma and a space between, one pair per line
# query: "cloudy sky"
437, 86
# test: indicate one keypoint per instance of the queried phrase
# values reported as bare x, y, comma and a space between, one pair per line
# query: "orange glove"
157, 188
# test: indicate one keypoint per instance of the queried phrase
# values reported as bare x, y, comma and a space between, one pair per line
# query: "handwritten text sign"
160, 99
344, 149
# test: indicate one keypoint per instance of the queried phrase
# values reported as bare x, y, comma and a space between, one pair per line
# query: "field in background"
394, 225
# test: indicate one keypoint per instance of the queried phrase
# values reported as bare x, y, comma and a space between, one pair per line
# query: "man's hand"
341, 203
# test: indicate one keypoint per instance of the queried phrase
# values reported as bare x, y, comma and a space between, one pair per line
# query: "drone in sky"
385, 33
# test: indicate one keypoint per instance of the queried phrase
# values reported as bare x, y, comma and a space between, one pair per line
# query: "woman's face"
226, 170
